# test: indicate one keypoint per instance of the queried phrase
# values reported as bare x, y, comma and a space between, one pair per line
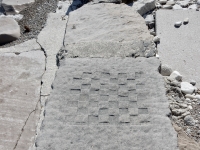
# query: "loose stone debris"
184, 104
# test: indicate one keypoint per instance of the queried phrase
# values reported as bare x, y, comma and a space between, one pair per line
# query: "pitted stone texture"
113, 30
107, 104
20, 83
179, 47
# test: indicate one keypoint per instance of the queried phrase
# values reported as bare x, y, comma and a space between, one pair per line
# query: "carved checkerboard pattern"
102, 97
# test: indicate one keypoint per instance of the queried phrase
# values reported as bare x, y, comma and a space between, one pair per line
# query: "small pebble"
156, 39
178, 24
190, 107
167, 7
185, 21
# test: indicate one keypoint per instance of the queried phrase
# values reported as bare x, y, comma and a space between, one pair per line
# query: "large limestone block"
20, 84
107, 104
105, 30
9, 30
15, 6
179, 47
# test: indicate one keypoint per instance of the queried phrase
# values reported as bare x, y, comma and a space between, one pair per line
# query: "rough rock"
102, 119
92, 33
190, 96
64, 7
143, 6
183, 3
9, 30
176, 75
149, 19
20, 81
15, 6
167, 6
162, 1
109, 1
166, 70
176, 6
170, 3
193, 6
187, 88
189, 120
176, 49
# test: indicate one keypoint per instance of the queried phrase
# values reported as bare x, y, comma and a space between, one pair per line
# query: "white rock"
167, 7
152, 32
187, 88
162, 1
178, 23
188, 100
143, 6
197, 97
190, 107
176, 6
183, 3
193, 6
170, 3
156, 39
157, 56
189, 120
190, 96
149, 18
176, 75
166, 70
9, 30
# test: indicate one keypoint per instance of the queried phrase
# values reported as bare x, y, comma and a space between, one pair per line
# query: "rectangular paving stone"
179, 47
103, 120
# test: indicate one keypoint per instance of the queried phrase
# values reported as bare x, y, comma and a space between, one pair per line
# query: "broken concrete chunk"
9, 30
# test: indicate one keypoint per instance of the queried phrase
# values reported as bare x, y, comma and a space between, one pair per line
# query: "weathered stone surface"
166, 70
187, 88
107, 104
179, 47
143, 6
9, 30
23, 47
113, 30
15, 6
51, 40
20, 84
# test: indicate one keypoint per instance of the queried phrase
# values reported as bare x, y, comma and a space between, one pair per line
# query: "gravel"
34, 20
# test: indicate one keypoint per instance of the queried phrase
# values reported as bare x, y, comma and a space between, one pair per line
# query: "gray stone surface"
15, 6
106, 104
9, 30
51, 40
20, 84
179, 47
113, 30
23, 47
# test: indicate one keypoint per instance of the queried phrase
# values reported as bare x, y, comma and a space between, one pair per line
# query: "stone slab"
51, 40
179, 47
20, 84
30, 45
107, 104
115, 29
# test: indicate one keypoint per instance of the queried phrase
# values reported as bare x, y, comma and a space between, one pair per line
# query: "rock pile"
184, 102
172, 4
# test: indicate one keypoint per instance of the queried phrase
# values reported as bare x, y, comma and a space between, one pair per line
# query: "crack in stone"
22, 130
